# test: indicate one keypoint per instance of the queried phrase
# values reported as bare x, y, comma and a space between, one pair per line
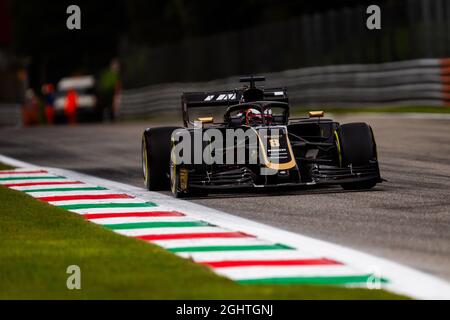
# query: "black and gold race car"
254, 143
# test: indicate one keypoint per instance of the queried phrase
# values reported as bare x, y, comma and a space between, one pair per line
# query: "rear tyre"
155, 157
357, 147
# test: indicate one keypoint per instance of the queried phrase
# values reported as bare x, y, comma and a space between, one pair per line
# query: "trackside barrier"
422, 82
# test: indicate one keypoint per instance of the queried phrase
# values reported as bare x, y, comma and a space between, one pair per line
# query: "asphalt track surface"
406, 219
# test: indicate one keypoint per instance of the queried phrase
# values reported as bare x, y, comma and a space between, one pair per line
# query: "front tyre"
357, 147
155, 149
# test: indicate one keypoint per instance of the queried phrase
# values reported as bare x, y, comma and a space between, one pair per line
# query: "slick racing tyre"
156, 157
357, 147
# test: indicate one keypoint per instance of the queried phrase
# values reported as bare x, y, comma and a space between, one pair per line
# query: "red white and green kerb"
238, 255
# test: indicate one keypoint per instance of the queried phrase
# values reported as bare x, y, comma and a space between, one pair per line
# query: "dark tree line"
40, 33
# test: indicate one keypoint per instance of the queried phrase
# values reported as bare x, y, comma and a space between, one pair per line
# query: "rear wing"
224, 98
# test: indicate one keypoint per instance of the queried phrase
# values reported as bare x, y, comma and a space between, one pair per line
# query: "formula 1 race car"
255, 144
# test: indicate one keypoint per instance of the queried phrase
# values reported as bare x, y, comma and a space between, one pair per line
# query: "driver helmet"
253, 116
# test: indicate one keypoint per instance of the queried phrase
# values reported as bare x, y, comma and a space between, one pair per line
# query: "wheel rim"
338, 145
173, 178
